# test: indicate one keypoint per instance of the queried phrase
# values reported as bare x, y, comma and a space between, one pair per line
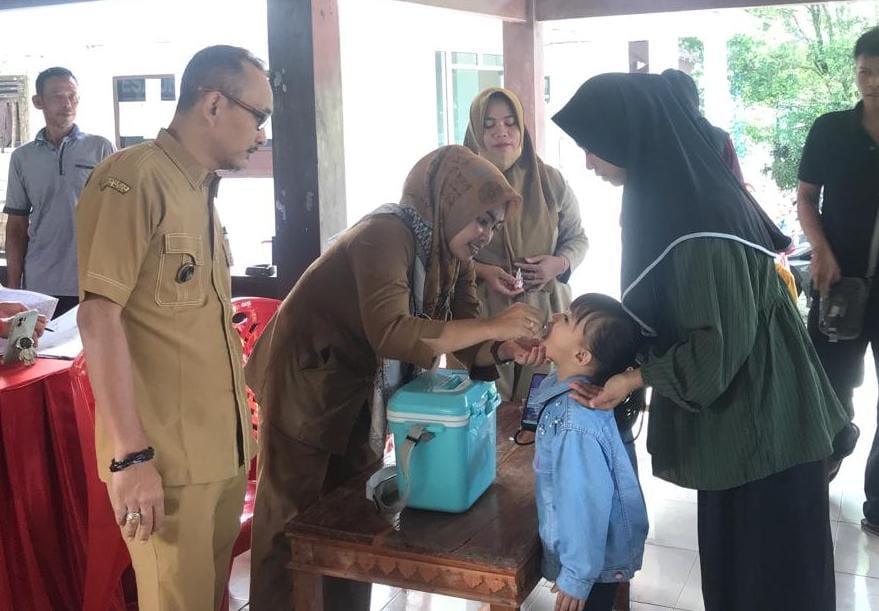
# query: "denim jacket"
590, 509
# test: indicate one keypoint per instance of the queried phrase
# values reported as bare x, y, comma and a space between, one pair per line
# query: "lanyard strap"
384, 482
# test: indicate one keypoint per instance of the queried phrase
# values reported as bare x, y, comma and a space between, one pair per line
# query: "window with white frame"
459, 77
143, 104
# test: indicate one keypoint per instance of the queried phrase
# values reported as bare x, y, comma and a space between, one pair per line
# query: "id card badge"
21, 347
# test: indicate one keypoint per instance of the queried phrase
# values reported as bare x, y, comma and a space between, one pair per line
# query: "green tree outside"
798, 67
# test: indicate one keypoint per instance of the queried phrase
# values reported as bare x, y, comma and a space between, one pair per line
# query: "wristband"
135, 458
497, 360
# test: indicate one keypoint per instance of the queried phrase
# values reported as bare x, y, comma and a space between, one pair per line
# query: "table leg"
307, 591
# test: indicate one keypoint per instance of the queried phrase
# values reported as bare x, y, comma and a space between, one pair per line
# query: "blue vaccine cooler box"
455, 460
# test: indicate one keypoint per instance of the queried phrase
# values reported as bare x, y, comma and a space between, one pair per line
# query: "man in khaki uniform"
173, 438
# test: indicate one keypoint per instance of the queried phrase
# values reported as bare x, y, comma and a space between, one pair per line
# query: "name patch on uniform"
115, 184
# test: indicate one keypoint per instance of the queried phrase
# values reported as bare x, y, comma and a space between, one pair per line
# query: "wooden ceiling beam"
550, 10
508, 10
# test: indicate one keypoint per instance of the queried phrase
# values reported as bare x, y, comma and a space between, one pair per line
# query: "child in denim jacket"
590, 508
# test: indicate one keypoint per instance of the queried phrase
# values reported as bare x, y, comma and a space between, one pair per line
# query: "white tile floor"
670, 579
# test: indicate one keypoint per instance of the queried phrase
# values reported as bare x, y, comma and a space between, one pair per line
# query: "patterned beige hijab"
533, 232
449, 188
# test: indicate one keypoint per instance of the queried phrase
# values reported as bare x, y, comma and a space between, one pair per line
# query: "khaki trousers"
293, 476
185, 566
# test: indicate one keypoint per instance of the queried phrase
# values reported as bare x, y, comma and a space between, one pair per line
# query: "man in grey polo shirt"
45, 179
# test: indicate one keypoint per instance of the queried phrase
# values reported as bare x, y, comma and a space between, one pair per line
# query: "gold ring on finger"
132, 517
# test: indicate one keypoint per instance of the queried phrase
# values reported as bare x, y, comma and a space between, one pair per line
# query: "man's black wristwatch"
135, 458
497, 360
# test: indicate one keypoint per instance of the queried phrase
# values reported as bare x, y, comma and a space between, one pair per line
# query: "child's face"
565, 344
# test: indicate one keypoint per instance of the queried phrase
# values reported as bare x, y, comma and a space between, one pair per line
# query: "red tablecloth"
59, 547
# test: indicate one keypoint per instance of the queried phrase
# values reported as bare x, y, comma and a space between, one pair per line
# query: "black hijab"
677, 186
687, 93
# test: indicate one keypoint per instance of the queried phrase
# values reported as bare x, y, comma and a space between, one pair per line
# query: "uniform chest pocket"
182, 275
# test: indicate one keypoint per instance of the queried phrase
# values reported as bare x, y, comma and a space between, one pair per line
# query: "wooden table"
490, 553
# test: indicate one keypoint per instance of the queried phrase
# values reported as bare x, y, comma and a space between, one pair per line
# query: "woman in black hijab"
742, 410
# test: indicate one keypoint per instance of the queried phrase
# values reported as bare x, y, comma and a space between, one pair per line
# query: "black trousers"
844, 364
766, 545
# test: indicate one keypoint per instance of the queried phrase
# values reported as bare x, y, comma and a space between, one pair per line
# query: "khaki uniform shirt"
144, 218
314, 367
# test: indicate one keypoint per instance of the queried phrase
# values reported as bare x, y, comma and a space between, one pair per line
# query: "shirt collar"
197, 175
857, 116
856, 125
73, 134
553, 387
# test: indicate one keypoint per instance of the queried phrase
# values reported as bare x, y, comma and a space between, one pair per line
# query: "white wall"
389, 89
98, 40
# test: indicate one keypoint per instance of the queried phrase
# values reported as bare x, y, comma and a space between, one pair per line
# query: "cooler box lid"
440, 395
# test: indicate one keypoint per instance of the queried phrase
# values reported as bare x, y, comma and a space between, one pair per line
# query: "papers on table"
61, 338
44, 304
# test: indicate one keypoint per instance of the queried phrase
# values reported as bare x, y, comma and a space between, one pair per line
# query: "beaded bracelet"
135, 458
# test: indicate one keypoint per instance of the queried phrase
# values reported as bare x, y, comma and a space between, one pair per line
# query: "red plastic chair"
107, 560
251, 316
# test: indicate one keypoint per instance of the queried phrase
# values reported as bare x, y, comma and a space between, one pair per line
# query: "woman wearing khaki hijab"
543, 239
396, 290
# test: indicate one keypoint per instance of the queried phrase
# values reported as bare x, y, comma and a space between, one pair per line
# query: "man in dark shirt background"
840, 164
